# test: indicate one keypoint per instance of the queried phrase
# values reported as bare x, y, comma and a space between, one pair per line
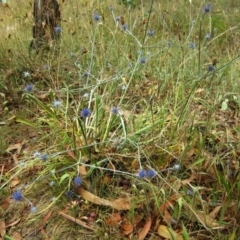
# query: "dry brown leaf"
82, 170
135, 164
145, 229
13, 223
75, 220
2, 228
209, 221
215, 211
16, 236
17, 146
168, 233
113, 219
199, 90
126, 228
165, 206
118, 204
45, 219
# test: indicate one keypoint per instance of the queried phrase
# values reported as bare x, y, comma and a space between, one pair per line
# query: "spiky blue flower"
210, 67
192, 45
142, 173
142, 60
150, 173
69, 194
150, 33
17, 196
124, 27
208, 36
207, 8
77, 181
96, 17
115, 110
58, 30
85, 113
44, 157
29, 88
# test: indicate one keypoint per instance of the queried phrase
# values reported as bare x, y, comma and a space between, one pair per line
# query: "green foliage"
109, 105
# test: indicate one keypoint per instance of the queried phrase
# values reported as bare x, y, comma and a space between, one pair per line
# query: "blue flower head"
69, 194
210, 67
58, 30
142, 173
150, 33
17, 196
85, 113
124, 27
77, 181
44, 157
29, 88
143, 60
115, 110
207, 8
208, 36
151, 173
111, 8
96, 17
192, 45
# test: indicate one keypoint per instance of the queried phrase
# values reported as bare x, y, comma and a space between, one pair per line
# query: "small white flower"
86, 95
36, 154
26, 74
176, 167
57, 103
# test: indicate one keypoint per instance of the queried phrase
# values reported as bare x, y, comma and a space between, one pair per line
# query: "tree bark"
46, 29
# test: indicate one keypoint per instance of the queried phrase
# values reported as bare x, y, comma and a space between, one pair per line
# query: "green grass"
172, 112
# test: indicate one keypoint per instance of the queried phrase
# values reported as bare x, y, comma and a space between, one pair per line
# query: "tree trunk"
46, 29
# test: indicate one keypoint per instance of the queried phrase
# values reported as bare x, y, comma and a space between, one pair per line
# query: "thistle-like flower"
85, 113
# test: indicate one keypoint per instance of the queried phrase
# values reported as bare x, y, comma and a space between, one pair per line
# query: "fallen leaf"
75, 220
2, 228
82, 170
16, 236
17, 146
45, 219
13, 223
209, 221
113, 219
145, 229
118, 204
168, 233
126, 228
